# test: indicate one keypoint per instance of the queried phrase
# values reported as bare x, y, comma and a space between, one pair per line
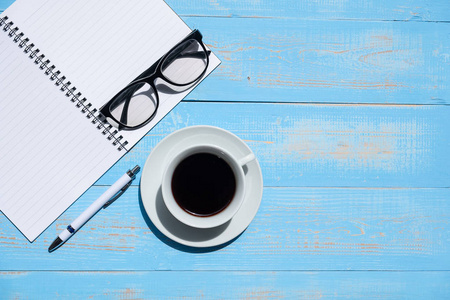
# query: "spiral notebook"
60, 61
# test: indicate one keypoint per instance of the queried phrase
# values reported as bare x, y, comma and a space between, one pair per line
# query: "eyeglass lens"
185, 63
134, 105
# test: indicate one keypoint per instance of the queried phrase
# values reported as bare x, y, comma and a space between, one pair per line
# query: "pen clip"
122, 190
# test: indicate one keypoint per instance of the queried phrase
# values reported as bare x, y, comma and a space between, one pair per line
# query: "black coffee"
203, 184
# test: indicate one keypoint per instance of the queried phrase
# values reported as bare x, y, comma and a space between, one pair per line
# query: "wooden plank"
225, 285
287, 60
418, 10
323, 145
294, 229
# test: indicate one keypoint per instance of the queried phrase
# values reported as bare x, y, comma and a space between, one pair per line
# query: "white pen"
108, 197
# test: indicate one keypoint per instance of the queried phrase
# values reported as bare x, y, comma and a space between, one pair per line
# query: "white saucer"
152, 197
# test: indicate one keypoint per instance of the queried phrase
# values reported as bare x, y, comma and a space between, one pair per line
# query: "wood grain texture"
397, 10
419, 10
326, 61
323, 145
294, 229
225, 285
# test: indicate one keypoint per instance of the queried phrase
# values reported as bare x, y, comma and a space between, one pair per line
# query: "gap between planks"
20, 272
232, 16
306, 103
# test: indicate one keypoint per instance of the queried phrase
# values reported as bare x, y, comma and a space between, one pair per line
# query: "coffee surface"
203, 184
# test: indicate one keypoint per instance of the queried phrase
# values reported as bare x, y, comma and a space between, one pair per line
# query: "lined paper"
50, 153
53, 153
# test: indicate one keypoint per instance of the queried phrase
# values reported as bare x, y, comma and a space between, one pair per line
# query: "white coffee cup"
229, 211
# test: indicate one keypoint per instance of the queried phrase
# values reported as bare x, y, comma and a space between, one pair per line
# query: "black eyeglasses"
136, 105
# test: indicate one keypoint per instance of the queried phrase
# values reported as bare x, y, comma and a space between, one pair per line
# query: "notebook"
60, 62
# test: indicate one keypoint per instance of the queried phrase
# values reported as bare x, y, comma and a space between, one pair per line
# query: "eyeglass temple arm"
129, 93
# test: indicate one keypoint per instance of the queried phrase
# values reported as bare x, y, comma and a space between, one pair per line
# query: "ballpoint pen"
108, 197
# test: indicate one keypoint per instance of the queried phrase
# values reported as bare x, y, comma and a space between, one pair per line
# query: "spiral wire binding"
60, 81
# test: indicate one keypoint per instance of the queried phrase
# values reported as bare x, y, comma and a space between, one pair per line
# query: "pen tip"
56, 243
136, 169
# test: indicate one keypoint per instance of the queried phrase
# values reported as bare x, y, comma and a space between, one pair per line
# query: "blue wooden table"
346, 106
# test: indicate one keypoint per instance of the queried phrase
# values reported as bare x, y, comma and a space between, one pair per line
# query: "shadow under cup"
203, 186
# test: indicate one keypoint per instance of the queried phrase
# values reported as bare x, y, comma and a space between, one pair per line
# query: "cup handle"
246, 159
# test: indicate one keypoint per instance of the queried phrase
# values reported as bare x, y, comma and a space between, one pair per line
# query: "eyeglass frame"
156, 72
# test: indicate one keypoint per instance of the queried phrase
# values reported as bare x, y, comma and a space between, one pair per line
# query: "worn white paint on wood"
225, 285
294, 229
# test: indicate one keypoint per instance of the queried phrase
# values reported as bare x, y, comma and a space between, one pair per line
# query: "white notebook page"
100, 46
50, 152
